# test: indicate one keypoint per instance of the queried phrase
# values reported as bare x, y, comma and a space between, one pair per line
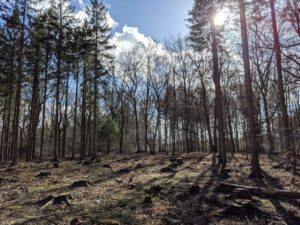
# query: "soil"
139, 189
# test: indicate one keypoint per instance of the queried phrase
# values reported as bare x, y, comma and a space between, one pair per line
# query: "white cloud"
41, 5
111, 22
130, 38
81, 15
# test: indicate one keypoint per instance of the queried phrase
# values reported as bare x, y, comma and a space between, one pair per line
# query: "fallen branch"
43, 217
272, 193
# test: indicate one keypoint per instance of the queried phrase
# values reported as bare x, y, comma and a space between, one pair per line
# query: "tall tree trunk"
268, 123
44, 106
173, 123
233, 150
75, 112
94, 127
206, 114
7, 134
34, 111
57, 93
16, 118
122, 129
253, 141
3, 129
65, 117
137, 133
289, 150
83, 114
147, 105
218, 90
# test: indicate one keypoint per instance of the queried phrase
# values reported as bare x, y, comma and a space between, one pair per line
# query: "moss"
129, 198
109, 222
15, 207
266, 205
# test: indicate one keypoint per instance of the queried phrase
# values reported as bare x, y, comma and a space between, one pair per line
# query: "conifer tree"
203, 35
100, 34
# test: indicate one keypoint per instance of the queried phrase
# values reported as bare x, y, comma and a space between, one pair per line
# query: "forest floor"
143, 189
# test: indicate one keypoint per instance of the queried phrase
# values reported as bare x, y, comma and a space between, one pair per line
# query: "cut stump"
43, 174
54, 200
80, 184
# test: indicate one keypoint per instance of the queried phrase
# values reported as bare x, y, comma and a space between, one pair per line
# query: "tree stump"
154, 190
10, 169
139, 166
195, 189
43, 174
147, 200
168, 170
108, 222
54, 200
80, 184
242, 210
124, 170
106, 166
178, 161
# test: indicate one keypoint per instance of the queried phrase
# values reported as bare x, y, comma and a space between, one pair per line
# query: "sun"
220, 18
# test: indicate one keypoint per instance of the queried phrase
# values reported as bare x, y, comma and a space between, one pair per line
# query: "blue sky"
155, 18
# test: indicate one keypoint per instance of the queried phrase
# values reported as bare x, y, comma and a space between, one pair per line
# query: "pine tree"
64, 17
204, 32
100, 34
253, 139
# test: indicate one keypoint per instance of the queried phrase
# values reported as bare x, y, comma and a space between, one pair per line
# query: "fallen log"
264, 192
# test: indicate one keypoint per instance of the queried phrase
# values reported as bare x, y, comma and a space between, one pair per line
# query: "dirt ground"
143, 189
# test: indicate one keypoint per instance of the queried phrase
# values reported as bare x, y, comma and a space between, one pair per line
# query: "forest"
203, 128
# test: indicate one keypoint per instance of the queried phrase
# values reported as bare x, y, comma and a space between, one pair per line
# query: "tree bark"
57, 93
83, 114
65, 118
219, 104
264, 192
289, 150
253, 141
15, 132
75, 111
